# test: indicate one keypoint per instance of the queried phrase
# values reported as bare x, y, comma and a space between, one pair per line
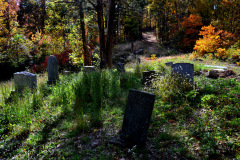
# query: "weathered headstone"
169, 63
52, 68
137, 117
148, 76
120, 67
185, 70
24, 79
138, 60
88, 69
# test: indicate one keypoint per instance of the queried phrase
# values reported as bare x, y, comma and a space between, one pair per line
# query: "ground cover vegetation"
82, 30
77, 117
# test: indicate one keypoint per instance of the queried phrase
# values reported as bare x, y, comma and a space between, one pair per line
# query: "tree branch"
94, 5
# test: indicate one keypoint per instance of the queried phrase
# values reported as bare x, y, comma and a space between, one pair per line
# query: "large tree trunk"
100, 21
42, 16
110, 32
86, 54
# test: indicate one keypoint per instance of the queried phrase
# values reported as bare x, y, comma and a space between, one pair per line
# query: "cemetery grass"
78, 117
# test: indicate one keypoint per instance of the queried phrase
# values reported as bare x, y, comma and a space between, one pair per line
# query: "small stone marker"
120, 67
89, 69
52, 68
138, 60
137, 117
184, 70
148, 76
25, 79
169, 63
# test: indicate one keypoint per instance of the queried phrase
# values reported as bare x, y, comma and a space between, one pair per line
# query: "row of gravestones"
138, 108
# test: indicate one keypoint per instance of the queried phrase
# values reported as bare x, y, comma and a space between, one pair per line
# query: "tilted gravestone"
120, 67
52, 68
88, 68
148, 77
137, 117
24, 79
184, 70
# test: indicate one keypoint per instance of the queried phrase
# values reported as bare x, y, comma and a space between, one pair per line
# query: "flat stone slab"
89, 69
221, 67
24, 79
185, 70
137, 117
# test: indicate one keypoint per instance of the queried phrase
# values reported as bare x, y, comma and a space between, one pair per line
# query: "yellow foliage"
221, 52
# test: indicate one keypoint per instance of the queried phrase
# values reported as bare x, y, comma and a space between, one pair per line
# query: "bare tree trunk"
86, 54
110, 32
43, 14
100, 20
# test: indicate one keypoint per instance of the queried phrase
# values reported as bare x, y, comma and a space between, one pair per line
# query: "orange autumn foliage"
191, 26
215, 42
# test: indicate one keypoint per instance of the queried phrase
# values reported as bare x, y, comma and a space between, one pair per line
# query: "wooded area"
76, 31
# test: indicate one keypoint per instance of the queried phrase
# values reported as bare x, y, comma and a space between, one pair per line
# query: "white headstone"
25, 79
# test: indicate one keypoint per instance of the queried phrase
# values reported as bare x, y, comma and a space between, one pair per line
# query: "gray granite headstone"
137, 117
24, 79
120, 67
148, 76
184, 70
52, 68
88, 68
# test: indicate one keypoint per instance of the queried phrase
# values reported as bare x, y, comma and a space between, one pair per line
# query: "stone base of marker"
148, 77
24, 79
137, 118
89, 69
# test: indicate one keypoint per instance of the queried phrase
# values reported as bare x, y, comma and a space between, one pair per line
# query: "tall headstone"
52, 68
148, 77
137, 117
24, 79
185, 70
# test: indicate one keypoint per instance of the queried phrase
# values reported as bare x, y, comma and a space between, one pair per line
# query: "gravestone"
120, 67
184, 70
24, 79
138, 60
148, 76
169, 63
52, 68
89, 69
137, 117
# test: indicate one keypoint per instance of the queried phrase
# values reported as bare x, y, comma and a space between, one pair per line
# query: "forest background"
81, 32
